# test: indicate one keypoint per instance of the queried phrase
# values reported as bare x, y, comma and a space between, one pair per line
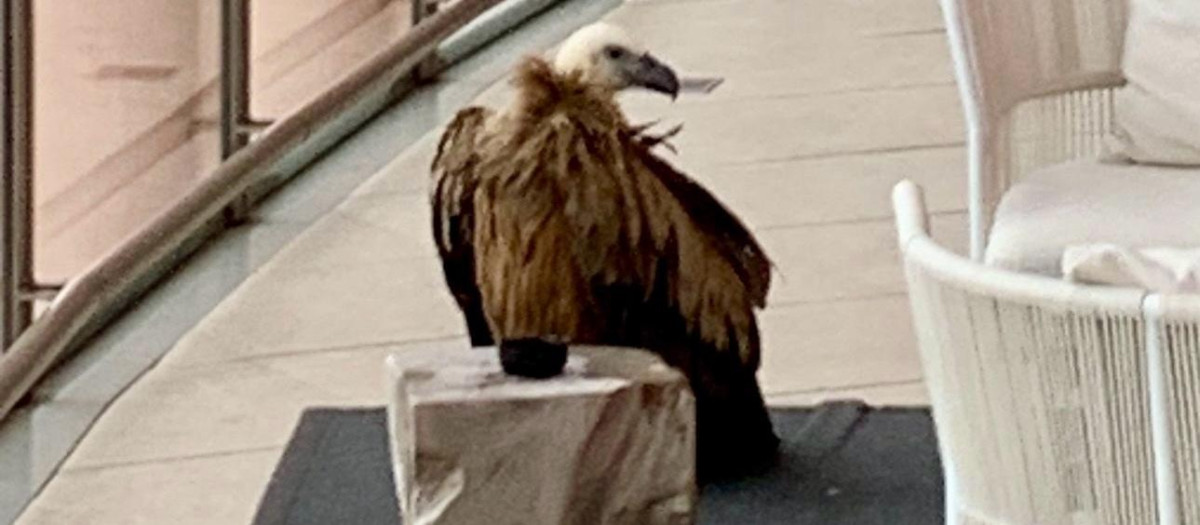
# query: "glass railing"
133, 102
138, 108
128, 106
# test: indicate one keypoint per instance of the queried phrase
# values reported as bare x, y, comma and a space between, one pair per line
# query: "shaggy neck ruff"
542, 91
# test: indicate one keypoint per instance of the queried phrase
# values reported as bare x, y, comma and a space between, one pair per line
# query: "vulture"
555, 219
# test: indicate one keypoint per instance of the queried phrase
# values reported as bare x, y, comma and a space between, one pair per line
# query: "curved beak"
654, 75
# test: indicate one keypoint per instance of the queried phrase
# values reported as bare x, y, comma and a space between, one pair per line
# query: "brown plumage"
555, 219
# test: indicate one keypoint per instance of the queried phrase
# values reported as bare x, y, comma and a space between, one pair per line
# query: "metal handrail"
109, 286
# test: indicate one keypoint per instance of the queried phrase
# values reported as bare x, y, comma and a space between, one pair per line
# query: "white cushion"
1162, 270
1158, 112
1089, 202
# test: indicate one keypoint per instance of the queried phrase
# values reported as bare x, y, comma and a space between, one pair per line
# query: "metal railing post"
16, 157
235, 75
421, 10
237, 126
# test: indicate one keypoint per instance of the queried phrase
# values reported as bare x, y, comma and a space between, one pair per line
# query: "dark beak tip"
657, 76
673, 85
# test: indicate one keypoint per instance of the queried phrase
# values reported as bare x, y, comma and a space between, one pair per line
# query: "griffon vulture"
555, 219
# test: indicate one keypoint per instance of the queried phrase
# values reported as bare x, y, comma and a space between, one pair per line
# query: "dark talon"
533, 357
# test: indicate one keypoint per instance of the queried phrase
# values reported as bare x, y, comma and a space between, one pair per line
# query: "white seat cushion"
1089, 202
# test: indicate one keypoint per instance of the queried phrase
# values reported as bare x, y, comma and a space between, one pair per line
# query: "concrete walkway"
826, 104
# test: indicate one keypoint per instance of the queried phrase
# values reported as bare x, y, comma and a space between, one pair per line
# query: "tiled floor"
827, 104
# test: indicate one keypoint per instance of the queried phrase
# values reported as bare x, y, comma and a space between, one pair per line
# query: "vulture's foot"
533, 357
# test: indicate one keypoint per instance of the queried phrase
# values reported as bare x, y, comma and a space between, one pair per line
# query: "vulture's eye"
615, 53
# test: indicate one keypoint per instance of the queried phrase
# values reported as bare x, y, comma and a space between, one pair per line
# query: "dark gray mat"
842, 464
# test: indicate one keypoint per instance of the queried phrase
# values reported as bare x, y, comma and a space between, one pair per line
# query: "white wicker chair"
1037, 80
1055, 403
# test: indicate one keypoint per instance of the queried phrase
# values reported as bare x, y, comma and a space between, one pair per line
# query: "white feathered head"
606, 55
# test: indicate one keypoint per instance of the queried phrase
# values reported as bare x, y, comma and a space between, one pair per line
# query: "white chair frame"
1089, 410
1055, 403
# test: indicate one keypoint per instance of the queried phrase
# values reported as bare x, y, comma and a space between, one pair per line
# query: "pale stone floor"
826, 105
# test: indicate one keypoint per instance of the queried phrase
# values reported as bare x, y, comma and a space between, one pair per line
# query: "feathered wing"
717, 233
583, 233
713, 220
722, 352
454, 183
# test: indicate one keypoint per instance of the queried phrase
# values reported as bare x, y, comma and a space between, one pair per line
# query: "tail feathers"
734, 433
